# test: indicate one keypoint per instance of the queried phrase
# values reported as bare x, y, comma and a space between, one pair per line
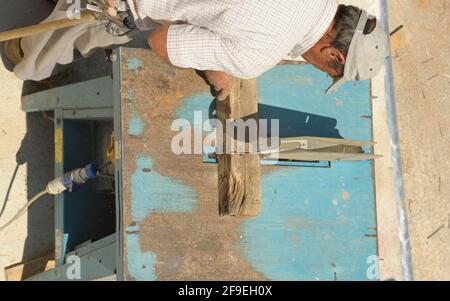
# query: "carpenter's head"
353, 48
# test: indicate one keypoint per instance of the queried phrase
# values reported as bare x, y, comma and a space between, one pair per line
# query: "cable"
103, 166
24, 209
65, 182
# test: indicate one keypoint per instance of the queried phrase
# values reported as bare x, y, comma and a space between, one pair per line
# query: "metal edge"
96, 261
396, 157
59, 199
93, 93
116, 77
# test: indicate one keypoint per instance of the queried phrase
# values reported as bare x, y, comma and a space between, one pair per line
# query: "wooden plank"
22, 271
45, 27
239, 174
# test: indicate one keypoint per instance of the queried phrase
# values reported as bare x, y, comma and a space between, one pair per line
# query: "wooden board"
239, 174
45, 27
22, 271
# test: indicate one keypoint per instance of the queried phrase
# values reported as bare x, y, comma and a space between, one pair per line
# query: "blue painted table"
316, 223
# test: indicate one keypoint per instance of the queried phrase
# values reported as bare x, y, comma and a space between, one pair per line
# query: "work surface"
33, 235
316, 223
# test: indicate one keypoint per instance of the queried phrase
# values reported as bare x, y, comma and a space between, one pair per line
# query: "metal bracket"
320, 149
118, 17
309, 152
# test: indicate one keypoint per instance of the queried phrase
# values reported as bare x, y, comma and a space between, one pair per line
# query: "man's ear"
333, 54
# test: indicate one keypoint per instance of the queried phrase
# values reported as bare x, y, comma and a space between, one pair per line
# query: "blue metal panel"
89, 114
116, 99
141, 266
322, 222
296, 96
80, 215
96, 93
315, 223
145, 185
87, 215
97, 260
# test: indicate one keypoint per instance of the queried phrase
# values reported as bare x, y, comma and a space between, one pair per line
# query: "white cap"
366, 55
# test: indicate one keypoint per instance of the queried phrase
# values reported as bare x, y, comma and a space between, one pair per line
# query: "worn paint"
315, 222
134, 63
302, 106
142, 267
130, 95
135, 125
305, 110
308, 228
297, 240
198, 102
152, 192
316, 233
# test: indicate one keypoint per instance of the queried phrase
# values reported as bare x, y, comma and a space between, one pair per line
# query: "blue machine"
317, 221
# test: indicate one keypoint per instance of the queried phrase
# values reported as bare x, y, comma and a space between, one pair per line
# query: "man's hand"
222, 83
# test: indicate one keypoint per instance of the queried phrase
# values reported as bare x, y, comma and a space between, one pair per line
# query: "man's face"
324, 63
325, 57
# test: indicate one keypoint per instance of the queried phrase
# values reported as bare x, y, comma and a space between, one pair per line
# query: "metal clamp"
119, 20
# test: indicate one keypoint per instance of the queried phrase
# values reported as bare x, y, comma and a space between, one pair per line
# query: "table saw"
157, 218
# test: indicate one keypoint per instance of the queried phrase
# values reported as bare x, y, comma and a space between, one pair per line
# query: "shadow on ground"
36, 149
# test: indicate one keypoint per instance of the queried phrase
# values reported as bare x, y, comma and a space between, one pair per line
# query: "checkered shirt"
244, 38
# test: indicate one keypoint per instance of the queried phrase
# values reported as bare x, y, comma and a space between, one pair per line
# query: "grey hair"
346, 20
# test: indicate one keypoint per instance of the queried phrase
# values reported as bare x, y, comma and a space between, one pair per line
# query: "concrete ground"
422, 80
422, 76
26, 149
26, 156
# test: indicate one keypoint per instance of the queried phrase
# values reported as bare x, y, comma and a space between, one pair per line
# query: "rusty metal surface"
180, 241
315, 223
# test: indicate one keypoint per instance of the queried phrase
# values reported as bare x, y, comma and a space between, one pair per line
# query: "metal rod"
45, 27
396, 159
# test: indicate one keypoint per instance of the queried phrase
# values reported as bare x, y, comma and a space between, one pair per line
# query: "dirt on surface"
422, 76
198, 244
421, 62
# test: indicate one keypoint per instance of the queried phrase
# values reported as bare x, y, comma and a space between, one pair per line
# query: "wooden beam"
24, 270
240, 173
23, 32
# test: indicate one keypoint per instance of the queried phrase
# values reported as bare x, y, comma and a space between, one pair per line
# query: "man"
244, 38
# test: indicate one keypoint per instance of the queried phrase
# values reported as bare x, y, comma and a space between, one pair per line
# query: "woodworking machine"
155, 217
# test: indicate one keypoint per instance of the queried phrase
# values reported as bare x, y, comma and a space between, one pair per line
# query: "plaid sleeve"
191, 46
